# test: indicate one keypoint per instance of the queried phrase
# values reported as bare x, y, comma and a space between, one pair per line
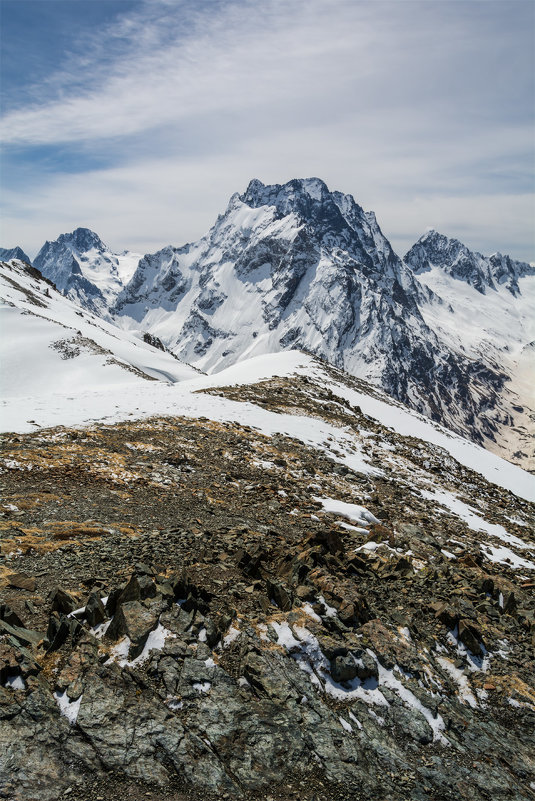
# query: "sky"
140, 118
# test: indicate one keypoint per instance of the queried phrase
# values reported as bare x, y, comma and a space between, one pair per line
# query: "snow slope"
50, 345
295, 266
482, 307
185, 398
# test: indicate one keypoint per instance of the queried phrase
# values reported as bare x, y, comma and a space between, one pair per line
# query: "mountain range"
273, 580
445, 330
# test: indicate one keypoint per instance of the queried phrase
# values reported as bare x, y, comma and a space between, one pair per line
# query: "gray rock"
63, 601
343, 668
94, 610
134, 621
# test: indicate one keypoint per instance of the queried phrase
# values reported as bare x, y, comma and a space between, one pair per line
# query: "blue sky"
140, 119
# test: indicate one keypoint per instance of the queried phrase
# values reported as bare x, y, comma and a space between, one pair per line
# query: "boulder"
94, 610
343, 668
134, 621
63, 601
471, 637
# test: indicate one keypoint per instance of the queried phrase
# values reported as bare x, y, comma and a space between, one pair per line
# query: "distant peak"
6, 254
255, 185
83, 239
433, 234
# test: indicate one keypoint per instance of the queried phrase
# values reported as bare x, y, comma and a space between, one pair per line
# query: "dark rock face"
57, 260
83, 268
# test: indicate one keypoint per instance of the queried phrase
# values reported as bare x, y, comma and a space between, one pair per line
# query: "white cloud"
415, 108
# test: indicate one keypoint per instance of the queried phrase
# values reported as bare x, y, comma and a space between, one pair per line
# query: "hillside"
270, 582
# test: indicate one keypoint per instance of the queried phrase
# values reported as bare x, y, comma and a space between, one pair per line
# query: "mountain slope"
283, 585
297, 266
84, 268
482, 307
51, 346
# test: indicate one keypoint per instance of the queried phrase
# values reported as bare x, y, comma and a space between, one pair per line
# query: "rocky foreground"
192, 609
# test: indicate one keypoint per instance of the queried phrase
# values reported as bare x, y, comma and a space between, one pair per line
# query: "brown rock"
304, 593
446, 614
63, 601
390, 647
279, 595
21, 581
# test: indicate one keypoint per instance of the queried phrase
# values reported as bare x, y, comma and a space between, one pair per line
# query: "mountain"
6, 254
273, 582
297, 266
85, 269
456, 260
51, 347
482, 307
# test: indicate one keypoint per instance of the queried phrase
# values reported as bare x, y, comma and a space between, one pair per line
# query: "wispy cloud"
420, 109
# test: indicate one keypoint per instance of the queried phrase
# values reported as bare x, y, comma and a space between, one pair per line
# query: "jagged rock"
63, 601
131, 592
16, 661
391, 648
11, 617
304, 593
470, 636
22, 582
332, 647
94, 610
280, 595
21, 635
113, 597
134, 621
446, 614
60, 628
509, 603
366, 666
165, 591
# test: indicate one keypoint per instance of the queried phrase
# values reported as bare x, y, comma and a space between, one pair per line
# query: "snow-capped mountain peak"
85, 269
296, 265
434, 249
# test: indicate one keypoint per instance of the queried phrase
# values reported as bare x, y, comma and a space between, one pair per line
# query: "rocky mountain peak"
434, 249
6, 254
259, 194
308, 198
82, 240
84, 268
